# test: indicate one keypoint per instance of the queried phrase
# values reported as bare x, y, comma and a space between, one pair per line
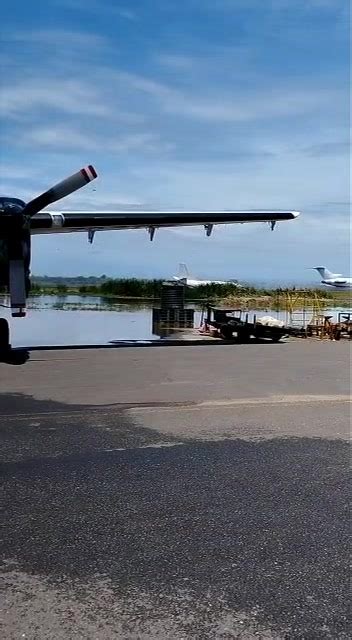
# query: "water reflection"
79, 320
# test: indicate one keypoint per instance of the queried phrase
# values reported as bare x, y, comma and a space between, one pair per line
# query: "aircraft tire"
4, 334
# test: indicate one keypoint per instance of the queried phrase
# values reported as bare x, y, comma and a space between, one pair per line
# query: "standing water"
92, 320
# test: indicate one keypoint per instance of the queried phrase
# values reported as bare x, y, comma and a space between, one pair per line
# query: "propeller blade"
60, 190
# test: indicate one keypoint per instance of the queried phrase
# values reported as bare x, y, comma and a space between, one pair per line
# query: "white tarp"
269, 321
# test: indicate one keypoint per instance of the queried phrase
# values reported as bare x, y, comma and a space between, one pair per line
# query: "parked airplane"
336, 280
185, 277
19, 221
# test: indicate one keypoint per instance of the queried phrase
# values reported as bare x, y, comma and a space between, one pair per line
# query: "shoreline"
273, 299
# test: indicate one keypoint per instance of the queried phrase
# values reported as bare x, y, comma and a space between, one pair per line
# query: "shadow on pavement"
21, 355
226, 526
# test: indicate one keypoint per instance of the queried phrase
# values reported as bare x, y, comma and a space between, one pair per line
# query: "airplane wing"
64, 222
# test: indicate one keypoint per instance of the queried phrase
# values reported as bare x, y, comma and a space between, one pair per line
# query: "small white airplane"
184, 276
336, 280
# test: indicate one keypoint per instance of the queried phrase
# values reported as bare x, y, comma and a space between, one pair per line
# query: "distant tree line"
68, 280
143, 288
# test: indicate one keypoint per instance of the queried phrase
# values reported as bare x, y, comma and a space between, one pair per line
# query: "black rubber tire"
226, 332
243, 336
4, 334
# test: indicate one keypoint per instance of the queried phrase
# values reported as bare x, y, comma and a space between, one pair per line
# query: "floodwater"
85, 320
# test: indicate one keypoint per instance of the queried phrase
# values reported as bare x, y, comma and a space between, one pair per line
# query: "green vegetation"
143, 289
151, 289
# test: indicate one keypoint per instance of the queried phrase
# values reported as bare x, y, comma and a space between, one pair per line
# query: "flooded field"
78, 320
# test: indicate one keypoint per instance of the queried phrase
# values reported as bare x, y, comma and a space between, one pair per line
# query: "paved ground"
168, 493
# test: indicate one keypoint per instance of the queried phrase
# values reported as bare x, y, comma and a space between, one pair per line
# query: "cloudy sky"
183, 103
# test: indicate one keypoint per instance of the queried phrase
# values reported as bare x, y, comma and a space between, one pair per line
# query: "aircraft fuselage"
345, 283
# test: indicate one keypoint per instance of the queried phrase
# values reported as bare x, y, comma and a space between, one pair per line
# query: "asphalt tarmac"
176, 493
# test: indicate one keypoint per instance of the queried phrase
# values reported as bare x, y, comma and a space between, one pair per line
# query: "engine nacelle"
15, 238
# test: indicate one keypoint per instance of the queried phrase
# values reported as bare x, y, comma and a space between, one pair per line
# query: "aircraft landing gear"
4, 335
7, 354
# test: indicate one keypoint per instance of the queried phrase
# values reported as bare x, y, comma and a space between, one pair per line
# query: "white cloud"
69, 96
64, 138
270, 5
62, 38
177, 61
291, 181
328, 148
14, 172
117, 95
56, 137
259, 104
101, 8
124, 13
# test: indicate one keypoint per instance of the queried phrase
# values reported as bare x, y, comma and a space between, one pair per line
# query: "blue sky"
183, 103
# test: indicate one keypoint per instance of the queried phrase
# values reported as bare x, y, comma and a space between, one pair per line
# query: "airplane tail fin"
182, 270
326, 274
